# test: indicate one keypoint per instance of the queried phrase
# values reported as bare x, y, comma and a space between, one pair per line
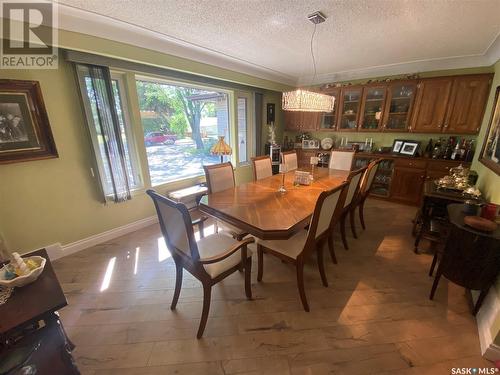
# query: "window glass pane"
180, 126
103, 165
242, 130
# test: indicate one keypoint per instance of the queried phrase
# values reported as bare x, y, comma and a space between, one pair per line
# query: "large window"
180, 125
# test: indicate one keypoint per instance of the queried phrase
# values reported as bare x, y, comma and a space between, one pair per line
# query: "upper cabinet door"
328, 120
431, 103
400, 98
292, 120
372, 108
349, 108
467, 104
310, 121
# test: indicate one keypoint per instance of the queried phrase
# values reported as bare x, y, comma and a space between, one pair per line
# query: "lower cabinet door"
407, 184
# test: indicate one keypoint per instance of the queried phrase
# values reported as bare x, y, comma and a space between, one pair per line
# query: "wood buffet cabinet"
399, 178
452, 105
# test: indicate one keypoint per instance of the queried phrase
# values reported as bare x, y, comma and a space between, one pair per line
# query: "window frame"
232, 125
123, 92
250, 127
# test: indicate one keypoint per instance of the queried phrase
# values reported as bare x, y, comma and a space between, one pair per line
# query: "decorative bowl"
25, 279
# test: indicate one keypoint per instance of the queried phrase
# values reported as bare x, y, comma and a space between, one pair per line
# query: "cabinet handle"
445, 126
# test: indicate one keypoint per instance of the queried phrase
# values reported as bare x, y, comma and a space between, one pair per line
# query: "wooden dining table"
258, 208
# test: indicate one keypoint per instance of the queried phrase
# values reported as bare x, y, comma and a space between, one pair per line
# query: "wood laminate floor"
375, 317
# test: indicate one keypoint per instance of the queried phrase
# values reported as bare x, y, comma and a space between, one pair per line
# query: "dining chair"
364, 190
341, 160
299, 247
262, 167
354, 180
210, 260
289, 158
221, 177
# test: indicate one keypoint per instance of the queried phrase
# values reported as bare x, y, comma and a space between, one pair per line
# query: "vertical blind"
102, 115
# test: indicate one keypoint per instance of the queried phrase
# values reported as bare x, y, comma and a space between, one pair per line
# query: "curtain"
105, 117
259, 107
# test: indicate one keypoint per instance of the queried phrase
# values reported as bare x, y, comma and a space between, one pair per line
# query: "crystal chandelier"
304, 100
307, 101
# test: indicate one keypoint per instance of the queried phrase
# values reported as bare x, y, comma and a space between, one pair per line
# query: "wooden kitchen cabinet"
467, 104
431, 105
372, 106
328, 121
407, 183
349, 106
399, 106
302, 121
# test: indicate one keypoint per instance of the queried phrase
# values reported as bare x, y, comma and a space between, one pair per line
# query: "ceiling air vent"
316, 17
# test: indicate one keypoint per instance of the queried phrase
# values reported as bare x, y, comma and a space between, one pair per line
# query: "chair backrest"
219, 177
341, 160
262, 167
176, 227
289, 158
354, 181
369, 176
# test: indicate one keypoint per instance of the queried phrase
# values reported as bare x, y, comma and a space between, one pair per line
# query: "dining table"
259, 208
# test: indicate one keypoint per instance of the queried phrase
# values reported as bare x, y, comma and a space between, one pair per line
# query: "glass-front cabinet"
383, 178
349, 108
400, 97
372, 108
329, 120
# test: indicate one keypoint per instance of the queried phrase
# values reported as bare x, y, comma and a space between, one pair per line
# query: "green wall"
489, 181
49, 201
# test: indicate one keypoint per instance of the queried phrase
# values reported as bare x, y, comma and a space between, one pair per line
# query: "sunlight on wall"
137, 250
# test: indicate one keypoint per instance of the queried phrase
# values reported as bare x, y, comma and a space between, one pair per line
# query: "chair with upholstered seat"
354, 181
210, 260
341, 160
364, 190
289, 158
221, 177
262, 167
299, 247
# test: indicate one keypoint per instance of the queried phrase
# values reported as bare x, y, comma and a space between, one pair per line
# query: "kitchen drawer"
411, 163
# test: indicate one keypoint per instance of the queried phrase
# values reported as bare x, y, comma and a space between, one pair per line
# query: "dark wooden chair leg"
433, 264
207, 295
178, 286
417, 242
300, 285
331, 249
248, 280
479, 302
361, 214
435, 284
260, 258
353, 225
342, 231
321, 265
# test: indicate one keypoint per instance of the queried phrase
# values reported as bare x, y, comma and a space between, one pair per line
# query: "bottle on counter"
428, 152
455, 155
436, 152
469, 151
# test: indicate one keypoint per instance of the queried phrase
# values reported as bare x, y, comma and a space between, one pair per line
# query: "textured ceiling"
358, 35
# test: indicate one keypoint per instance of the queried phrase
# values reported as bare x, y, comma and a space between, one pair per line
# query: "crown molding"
89, 23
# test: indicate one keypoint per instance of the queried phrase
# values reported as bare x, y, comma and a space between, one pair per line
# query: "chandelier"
304, 100
307, 101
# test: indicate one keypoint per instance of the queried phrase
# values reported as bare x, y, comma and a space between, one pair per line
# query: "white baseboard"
56, 251
485, 318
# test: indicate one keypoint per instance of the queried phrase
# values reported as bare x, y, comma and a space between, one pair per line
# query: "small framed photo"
396, 146
409, 148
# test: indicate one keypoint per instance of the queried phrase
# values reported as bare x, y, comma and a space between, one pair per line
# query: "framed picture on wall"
490, 152
25, 132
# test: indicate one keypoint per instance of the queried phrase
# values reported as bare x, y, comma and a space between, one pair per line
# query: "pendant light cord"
312, 54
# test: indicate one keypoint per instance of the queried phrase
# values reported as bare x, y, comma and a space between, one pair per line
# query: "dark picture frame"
25, 132
490, 151
396, 145
409, 148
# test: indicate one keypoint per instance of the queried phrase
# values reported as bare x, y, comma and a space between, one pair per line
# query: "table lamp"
221, 148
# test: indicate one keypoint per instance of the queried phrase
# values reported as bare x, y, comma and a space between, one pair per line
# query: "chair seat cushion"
291, 247
231, 229
218, 244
